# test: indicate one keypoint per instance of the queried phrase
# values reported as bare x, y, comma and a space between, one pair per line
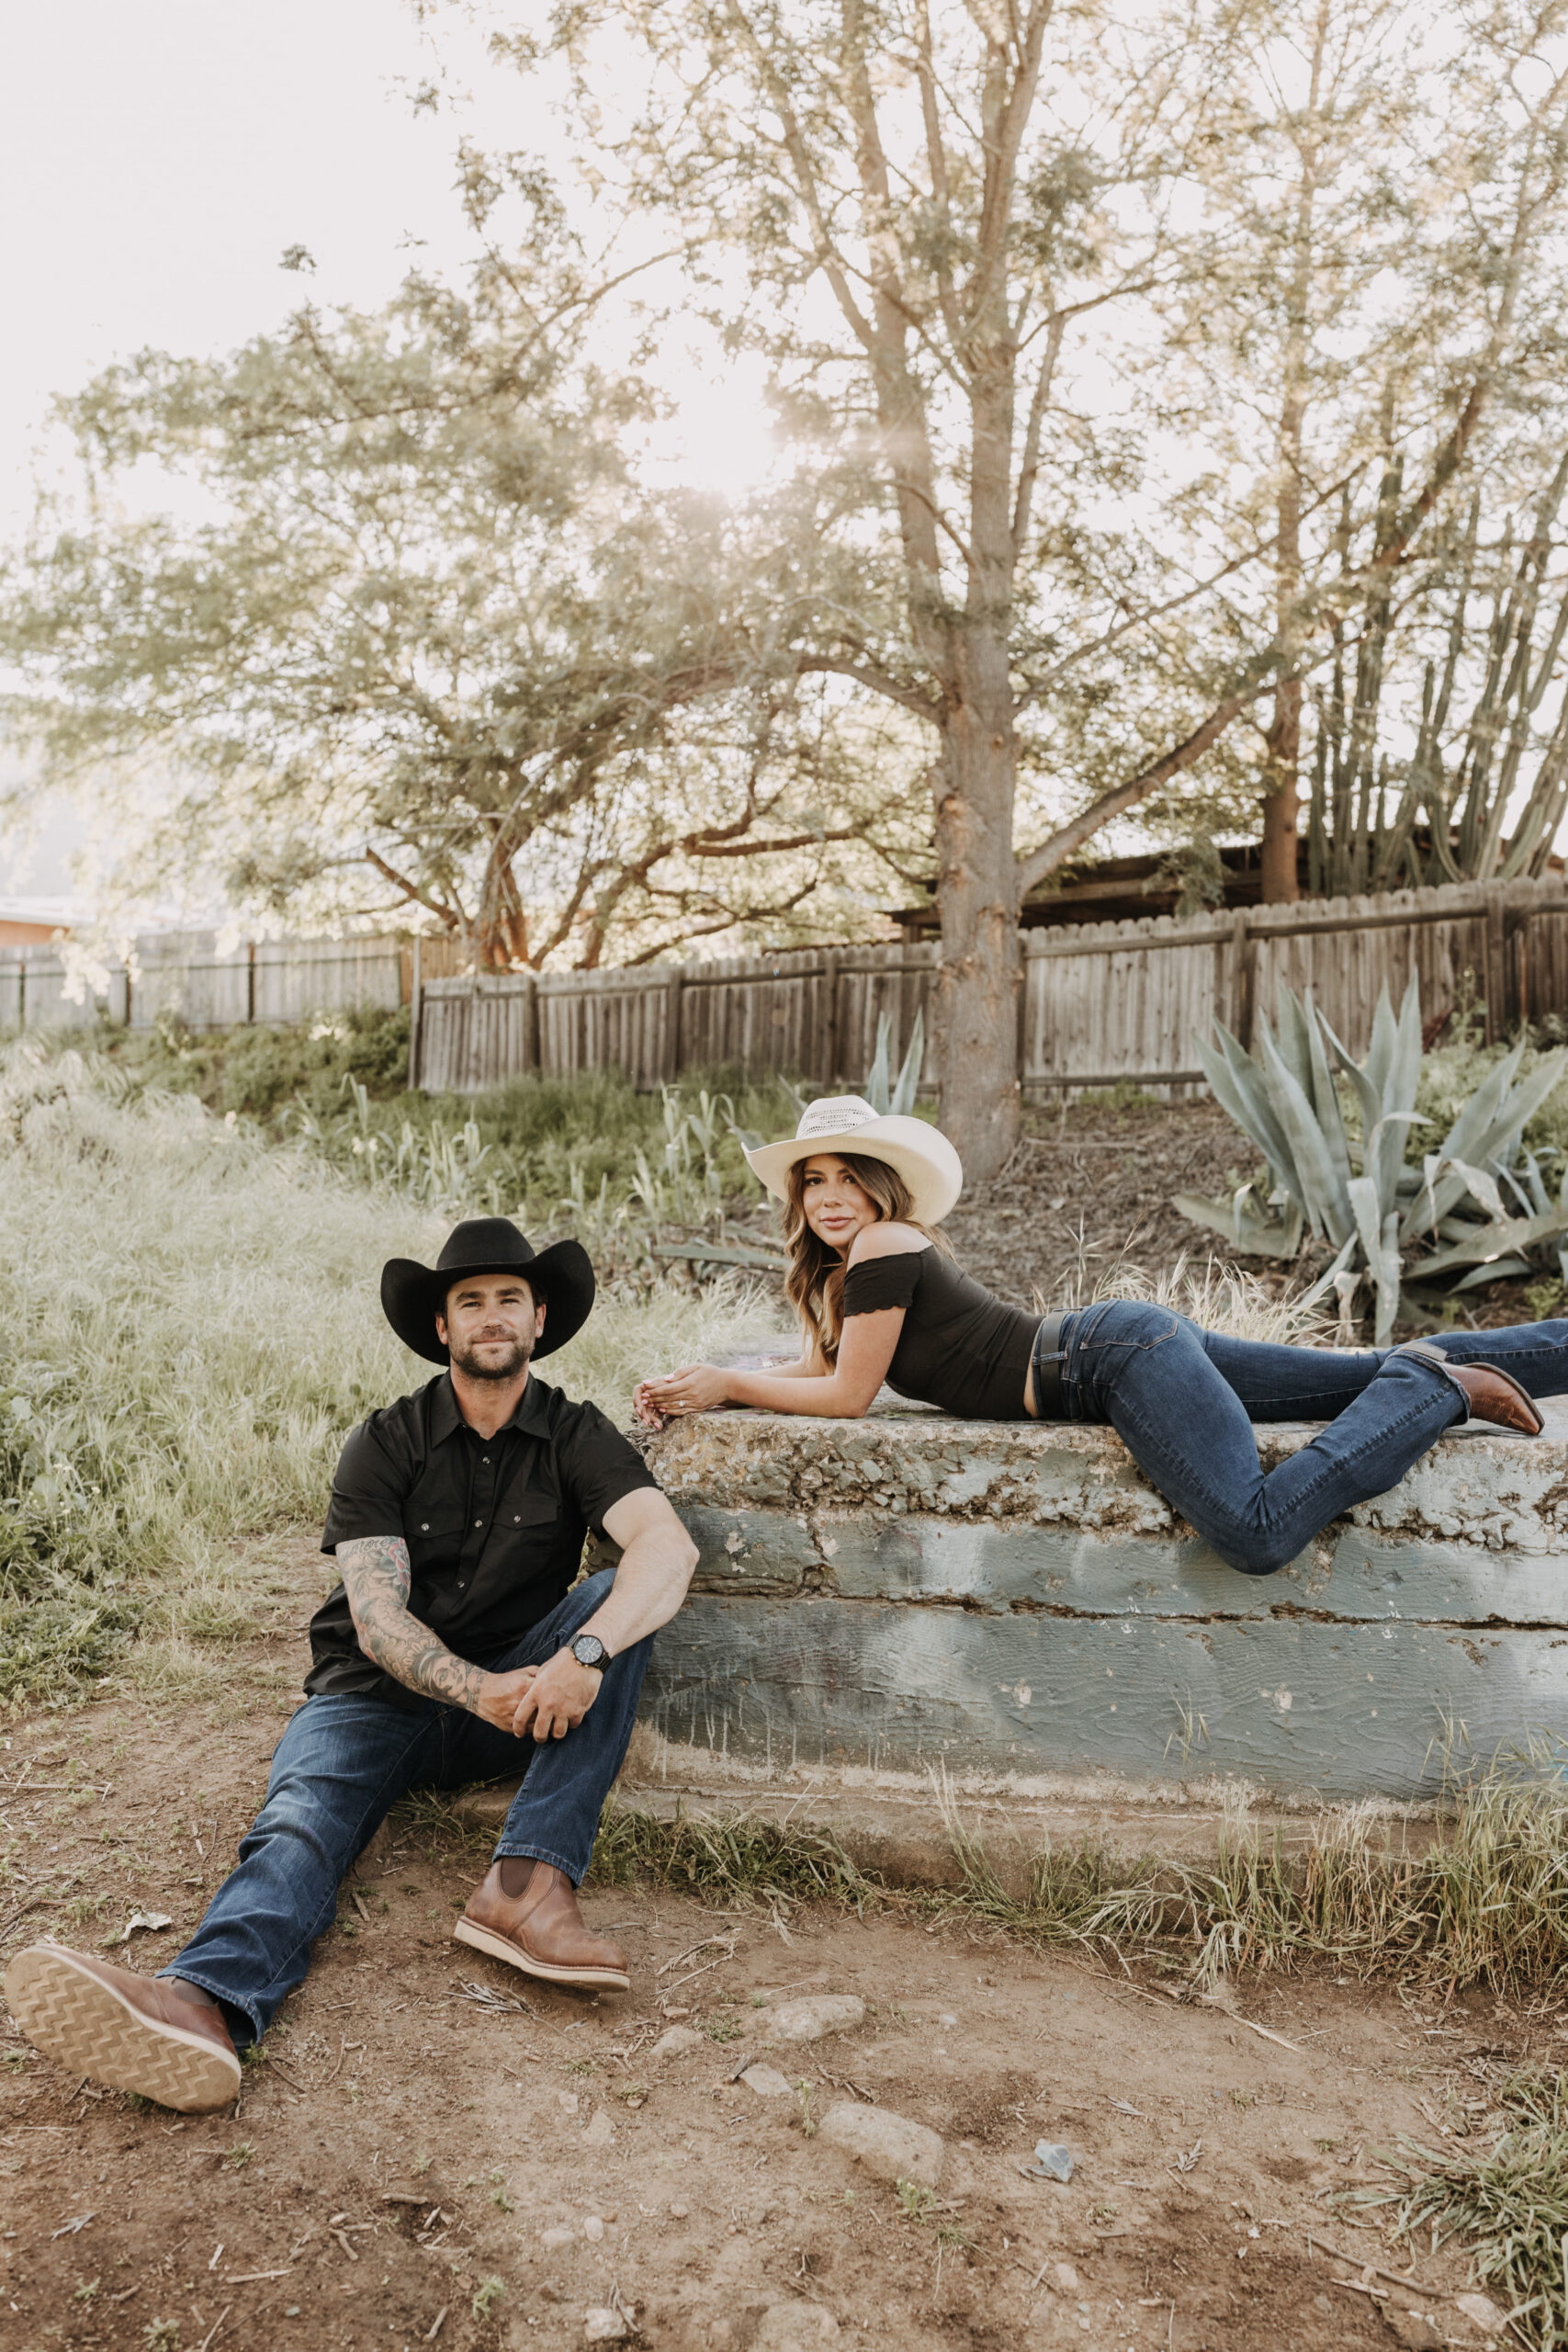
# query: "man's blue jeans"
341, 1766
1184, 1400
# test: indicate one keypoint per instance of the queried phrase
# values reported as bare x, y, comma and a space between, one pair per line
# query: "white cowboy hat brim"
922, 1155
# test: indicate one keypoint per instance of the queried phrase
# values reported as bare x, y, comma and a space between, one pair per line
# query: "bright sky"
158, 156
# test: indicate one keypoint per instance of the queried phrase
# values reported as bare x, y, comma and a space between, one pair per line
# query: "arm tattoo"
375, 1577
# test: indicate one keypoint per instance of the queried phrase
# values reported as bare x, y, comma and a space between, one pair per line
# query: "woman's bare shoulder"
887, 1240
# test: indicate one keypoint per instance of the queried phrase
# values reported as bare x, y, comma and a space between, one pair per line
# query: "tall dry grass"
191, 1327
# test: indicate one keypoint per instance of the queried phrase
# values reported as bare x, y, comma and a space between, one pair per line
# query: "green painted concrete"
1014, 1600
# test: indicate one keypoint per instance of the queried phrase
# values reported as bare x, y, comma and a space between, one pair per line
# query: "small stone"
889, 2146
558, 2236
675, 2041
766, 2081
1483, 2311
600, 2131
568, 2100
1416, 2330
679, 2212
817, 2015
1065, 2277
593, 2229
795, 2327
602, 2325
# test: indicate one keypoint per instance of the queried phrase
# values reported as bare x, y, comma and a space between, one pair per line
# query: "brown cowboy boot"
135, 2033
1493, 1395
541, 1931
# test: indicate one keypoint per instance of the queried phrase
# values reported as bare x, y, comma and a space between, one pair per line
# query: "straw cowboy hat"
412, 1295
847, 1124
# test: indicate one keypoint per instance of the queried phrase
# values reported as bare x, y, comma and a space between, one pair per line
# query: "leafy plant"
487, 2294
891, 1096
1348, 1182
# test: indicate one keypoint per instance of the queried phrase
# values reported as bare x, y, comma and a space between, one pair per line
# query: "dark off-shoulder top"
960, 1348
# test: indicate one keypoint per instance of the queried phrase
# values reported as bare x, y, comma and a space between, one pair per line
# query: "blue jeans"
1184, 1399
345, 1761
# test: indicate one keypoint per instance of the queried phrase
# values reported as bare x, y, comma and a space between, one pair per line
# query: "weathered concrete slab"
1016, 1600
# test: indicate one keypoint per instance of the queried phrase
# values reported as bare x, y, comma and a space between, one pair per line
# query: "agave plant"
1365, 1199
886, 1094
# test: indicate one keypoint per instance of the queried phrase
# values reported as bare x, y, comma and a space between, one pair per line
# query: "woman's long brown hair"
816, 1277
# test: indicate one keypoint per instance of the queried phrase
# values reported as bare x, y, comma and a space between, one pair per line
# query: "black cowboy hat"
412, 1295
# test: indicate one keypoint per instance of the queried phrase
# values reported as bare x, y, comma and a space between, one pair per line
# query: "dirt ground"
419, 2159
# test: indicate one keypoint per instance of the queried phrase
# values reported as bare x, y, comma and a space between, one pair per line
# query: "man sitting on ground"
455, 1648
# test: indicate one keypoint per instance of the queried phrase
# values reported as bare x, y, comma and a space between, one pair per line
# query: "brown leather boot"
135, 2033
541, 1931
1494, 1396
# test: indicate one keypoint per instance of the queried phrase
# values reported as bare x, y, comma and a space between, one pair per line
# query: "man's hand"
499, 1695
558, 1695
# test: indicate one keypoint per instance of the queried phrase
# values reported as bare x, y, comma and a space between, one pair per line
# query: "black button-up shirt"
494, 1526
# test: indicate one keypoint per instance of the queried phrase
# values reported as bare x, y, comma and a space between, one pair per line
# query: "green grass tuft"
743, 1860
1506, 2198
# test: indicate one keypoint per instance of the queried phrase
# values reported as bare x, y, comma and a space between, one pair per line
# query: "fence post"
672, 988
1496, 969
831, 1021
415, 990
1244, 982
531, 1046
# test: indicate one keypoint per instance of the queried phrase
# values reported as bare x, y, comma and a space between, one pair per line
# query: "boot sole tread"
75, 2016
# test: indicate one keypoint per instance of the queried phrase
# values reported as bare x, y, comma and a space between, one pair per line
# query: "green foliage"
741, 1860
427, 611
258, 1071
193, 1327
487, 2295
885, 1093
1284, 1097
1486, 1904
1502, 2192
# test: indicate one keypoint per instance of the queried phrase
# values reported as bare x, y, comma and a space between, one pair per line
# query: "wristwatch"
588, 1650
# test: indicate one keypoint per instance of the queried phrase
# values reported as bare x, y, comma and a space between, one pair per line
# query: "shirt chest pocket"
529, 1514
435, 1537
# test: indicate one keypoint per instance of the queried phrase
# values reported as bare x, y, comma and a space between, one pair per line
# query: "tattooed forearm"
375, 1577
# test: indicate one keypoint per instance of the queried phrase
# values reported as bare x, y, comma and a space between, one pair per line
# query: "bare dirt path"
417, 2160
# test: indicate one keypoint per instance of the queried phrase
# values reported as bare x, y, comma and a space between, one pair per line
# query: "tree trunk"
1282, 802
980, 972
1281, 772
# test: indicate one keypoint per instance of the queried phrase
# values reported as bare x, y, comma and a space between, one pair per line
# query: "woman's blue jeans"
341, 1765
1184, 1399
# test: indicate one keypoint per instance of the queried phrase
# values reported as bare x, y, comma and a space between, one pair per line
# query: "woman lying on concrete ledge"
880, 1298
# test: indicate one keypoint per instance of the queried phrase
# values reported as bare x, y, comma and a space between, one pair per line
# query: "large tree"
419, 641
948, 217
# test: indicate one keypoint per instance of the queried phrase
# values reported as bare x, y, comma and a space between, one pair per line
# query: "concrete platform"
1014, 1605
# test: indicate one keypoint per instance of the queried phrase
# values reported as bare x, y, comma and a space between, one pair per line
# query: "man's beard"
519, 1355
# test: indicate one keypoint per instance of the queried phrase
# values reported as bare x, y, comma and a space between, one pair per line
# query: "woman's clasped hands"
699, 1388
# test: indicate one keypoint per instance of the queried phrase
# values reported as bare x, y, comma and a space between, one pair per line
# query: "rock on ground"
795, 2327
676, 2041
766, 2081
602, 2325
889, 2146
816, 2015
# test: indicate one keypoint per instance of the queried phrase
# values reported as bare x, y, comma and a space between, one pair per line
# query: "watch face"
588, 1650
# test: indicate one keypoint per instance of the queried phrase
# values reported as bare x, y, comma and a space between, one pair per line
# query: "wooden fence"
184, 974
1103, 1003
